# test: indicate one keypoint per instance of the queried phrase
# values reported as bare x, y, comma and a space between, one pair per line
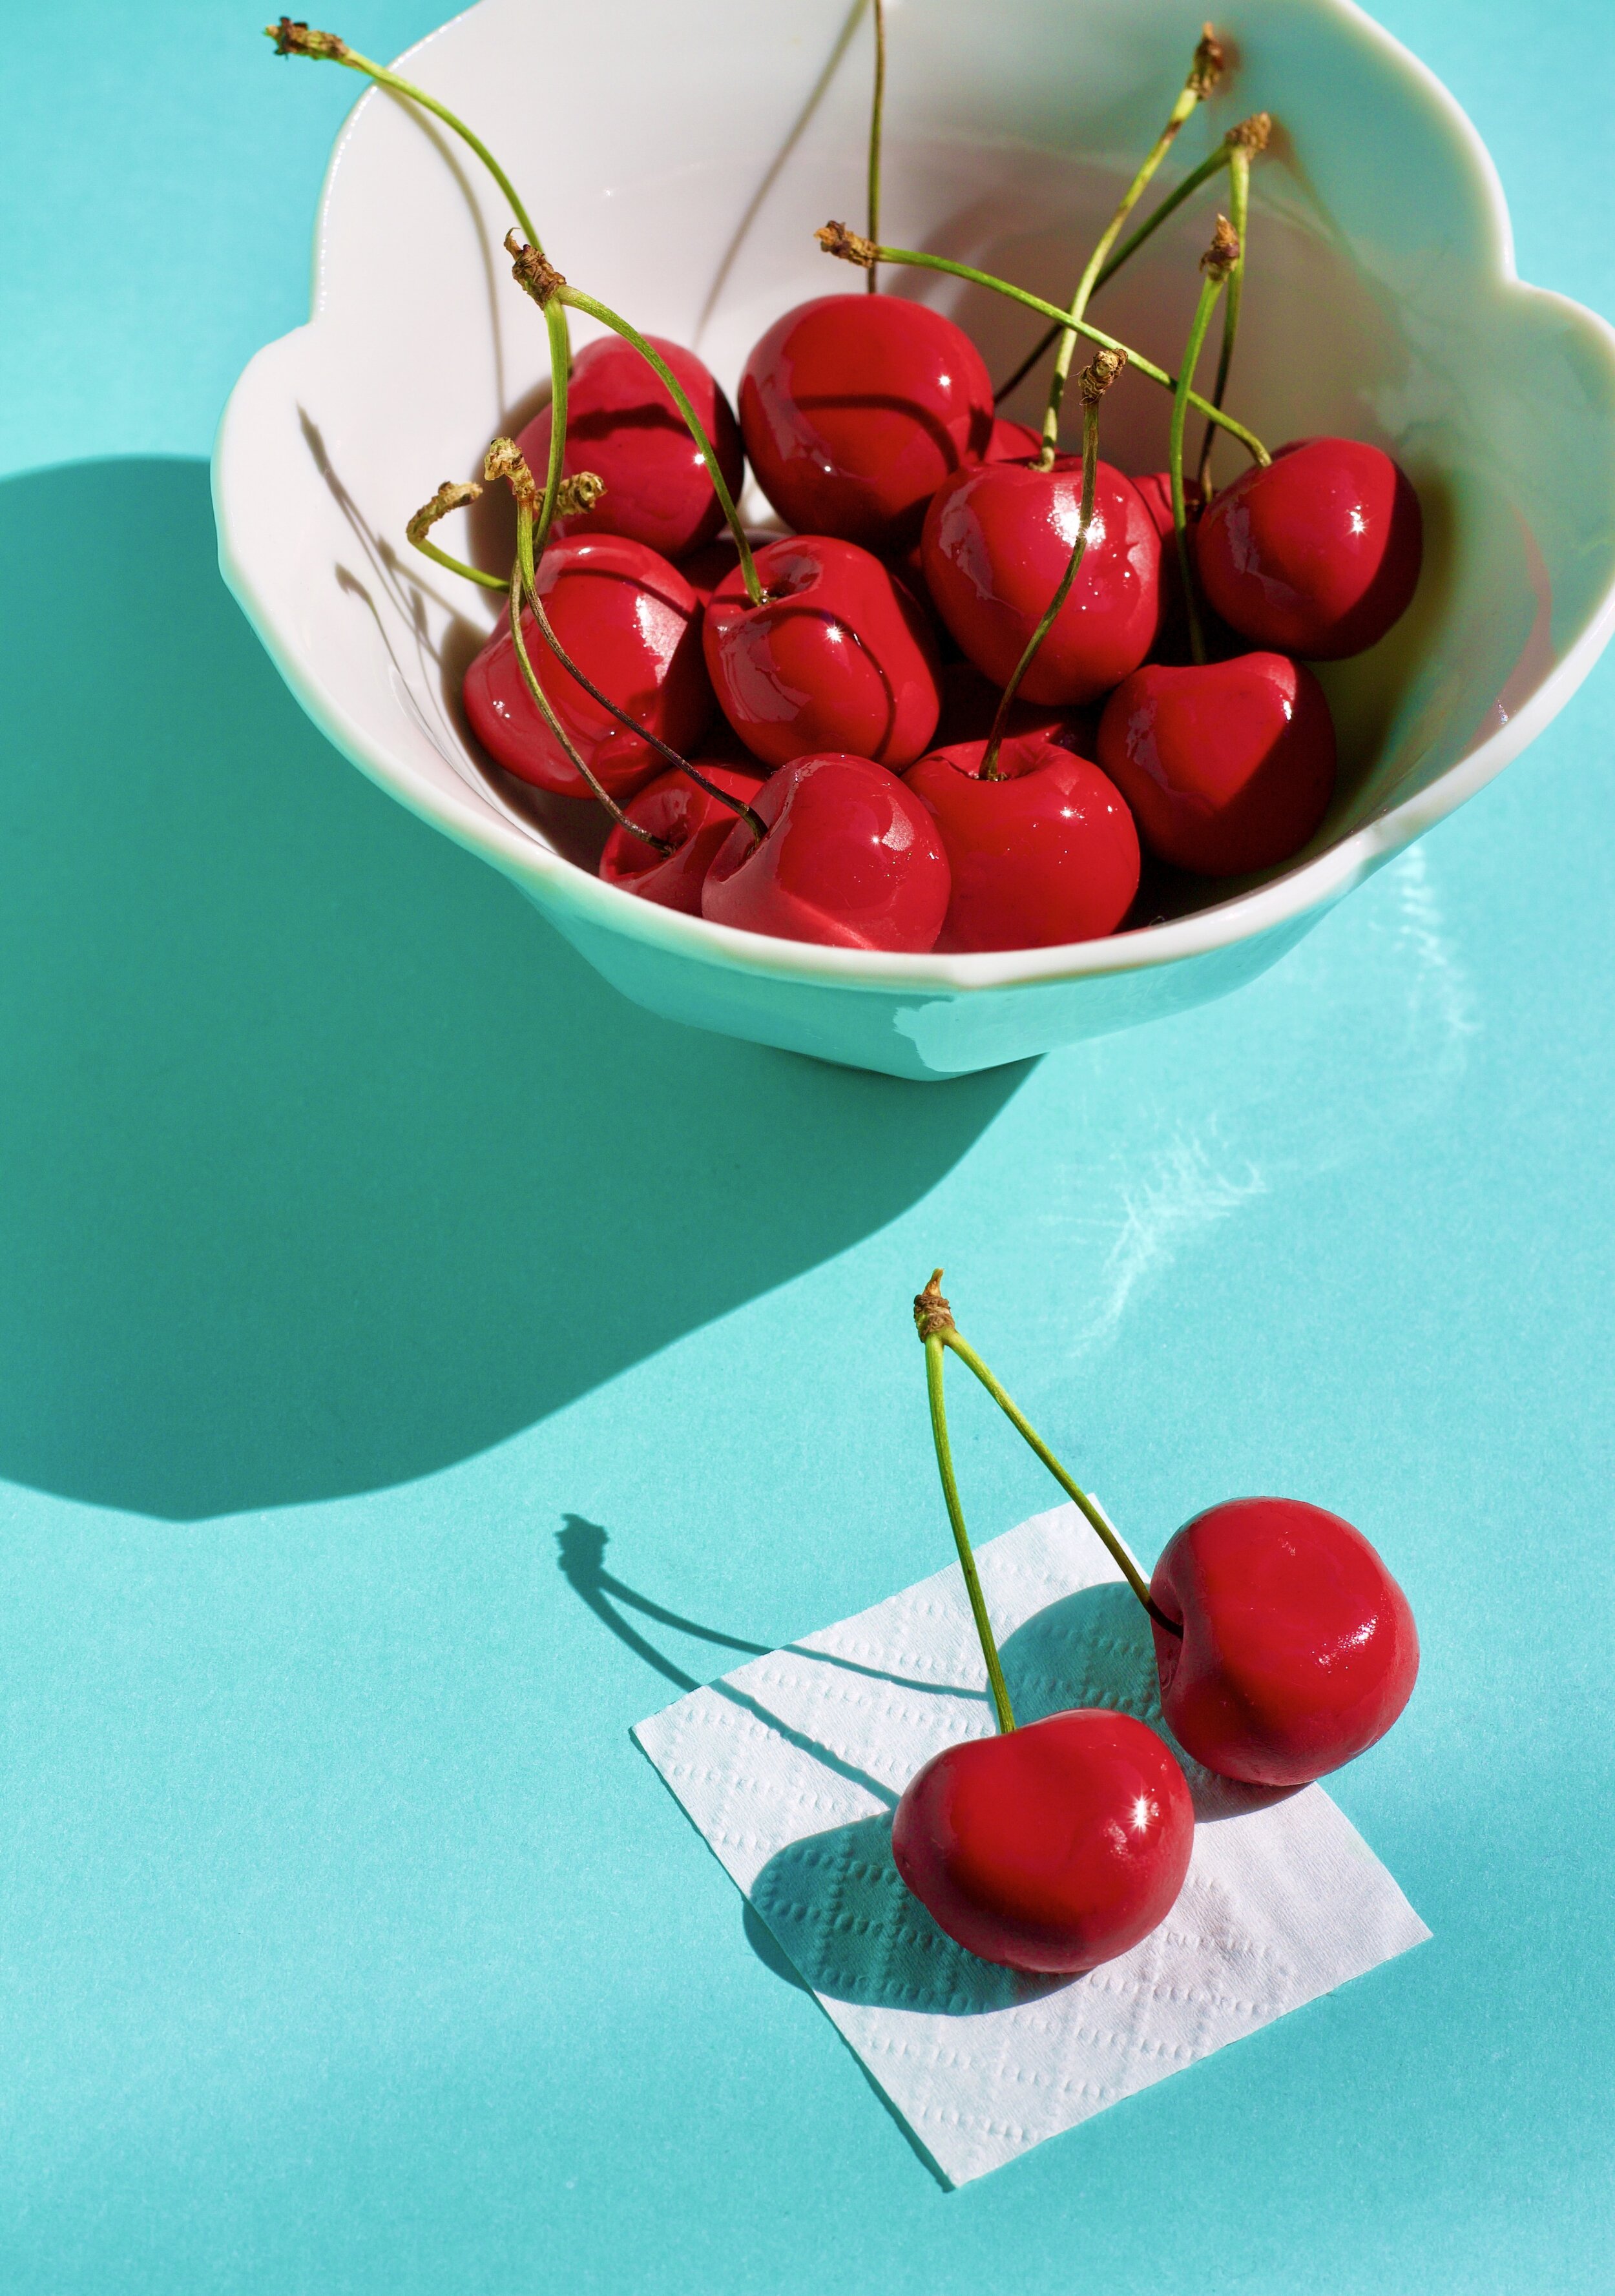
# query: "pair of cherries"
1284, 1648
868, 421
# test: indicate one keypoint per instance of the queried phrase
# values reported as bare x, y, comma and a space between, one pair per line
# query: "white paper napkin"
791, 1766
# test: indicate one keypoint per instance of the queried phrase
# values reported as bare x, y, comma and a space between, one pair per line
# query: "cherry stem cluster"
835, 239
549, 289
877, 121
934, 1320
1204, 73
1216, 264
1239, 217
1096, 380
1251, 136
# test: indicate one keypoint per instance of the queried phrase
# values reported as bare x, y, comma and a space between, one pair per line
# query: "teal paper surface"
417, 1365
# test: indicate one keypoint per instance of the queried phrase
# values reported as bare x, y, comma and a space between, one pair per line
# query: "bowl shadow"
327, 1163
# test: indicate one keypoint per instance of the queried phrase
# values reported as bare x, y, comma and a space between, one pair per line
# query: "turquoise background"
364, 1265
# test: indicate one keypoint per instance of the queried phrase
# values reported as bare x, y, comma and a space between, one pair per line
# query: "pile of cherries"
1284, 1648
979, 678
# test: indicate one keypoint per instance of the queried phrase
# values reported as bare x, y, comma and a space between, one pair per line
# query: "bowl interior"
685, 189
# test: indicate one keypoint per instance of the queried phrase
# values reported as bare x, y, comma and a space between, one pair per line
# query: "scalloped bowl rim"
1312, 888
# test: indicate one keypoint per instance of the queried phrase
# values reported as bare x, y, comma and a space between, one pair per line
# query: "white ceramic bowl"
676, 162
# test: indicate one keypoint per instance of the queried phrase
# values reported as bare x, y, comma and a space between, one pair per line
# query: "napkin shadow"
326, 1163
837, 1905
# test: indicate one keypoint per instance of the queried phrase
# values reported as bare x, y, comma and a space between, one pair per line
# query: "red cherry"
970, 704
1051, 1848
631, 621
1228, 766
1318, 553
998, 537
621, 423
681, 813
1299, 1648
850, 858
855, 408
1171, 639
1013, 442
1045, 855
839, 656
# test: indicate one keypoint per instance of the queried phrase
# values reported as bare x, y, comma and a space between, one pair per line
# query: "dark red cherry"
621, 423
1011, 442
1053, 1848
998, 537
841, 657
1318, 553
683, 814
970, 704
1228, 766
1045, 856
1297, 1649
632, 622
855, 408
1171, 639
852, 858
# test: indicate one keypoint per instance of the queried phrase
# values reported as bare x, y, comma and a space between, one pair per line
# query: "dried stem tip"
454, 494
1100, 373
505, 460
532, 270
578, 495
1207, 68
297, 40
1250, 134
1220, 258
933, 1313
851, 246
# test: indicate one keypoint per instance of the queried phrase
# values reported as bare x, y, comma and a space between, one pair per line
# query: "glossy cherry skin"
998, 540
676, 809
852, 858
1299, 1648
1318, 553
1045, 856
634, 624
840, 656
1228, 767
855, 408
1053, 1847
621, 423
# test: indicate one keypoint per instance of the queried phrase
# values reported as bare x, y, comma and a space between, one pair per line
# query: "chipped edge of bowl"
554, 881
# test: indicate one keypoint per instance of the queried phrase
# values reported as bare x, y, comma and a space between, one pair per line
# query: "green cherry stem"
1216, 263
1093, 381
296, 39
1239, 217
454, 494
505, 461
877, 119
1204, 72
530, 677
835, 239
548, 287
932, 1319
933, 1312
1252, 133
